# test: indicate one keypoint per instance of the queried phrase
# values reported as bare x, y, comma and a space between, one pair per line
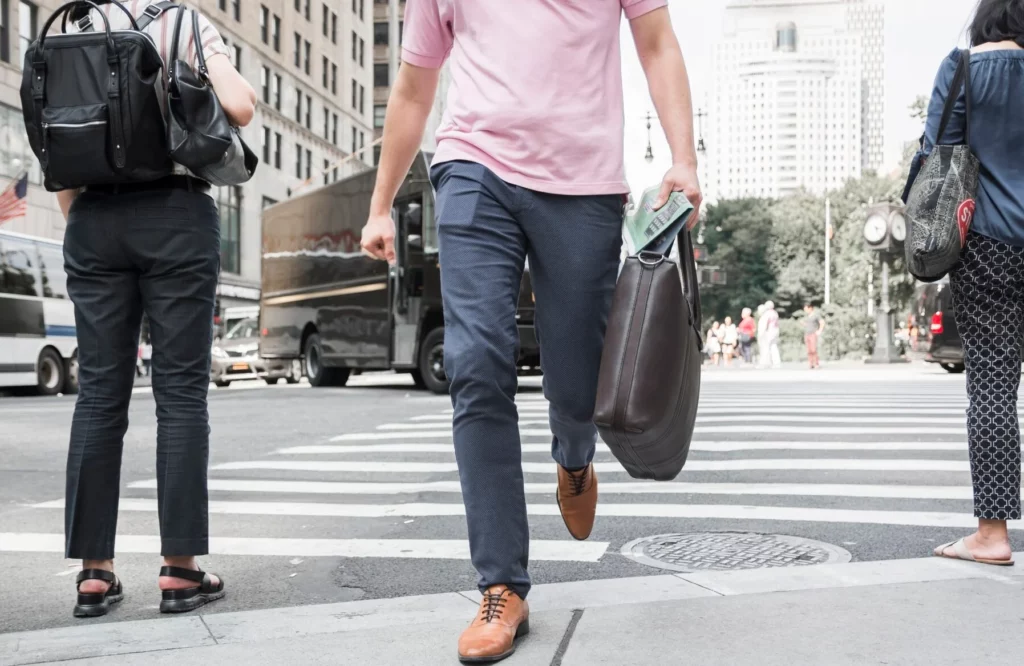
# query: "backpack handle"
65, 9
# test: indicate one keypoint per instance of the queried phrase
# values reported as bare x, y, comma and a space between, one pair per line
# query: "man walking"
528, 165
768, 334
814, 326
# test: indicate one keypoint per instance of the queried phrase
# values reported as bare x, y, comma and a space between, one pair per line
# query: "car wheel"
221, 383
316, 371
272, 381
431, 365
50, 374
954, 368
295, 372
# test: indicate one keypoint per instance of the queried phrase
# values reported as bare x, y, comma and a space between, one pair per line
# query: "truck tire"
51, 374
431, 363
71, 377
316, 371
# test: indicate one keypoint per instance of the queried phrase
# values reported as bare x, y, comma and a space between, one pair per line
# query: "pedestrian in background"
747, 334
988, 283
713, 346
814, 325
150, 248
768, 335
730, 339
526, 166
147, 357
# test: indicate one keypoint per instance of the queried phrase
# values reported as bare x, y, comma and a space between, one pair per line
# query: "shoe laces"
493, 605
579, 481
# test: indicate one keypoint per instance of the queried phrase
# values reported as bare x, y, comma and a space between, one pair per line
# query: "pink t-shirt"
536, 87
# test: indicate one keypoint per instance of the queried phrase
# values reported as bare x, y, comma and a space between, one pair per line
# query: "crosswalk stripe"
736, 418
449, 549
718, 511
713, 447
446, 433
831, 464
793, 412
607, 488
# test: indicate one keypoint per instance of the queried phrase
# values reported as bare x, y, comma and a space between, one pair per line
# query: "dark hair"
82, 9
998, 21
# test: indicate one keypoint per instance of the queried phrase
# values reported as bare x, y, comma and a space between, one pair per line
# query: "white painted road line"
692, 511
793, 412
717, 447
446, 432
607, 488
831, 464
455, 549
736, 418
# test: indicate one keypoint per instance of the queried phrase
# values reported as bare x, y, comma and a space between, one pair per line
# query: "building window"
334, 28
309, 164
238, 57
327, 167
268, 202
298, 49
357, 8
380, 75
236, 10
362, 52
309, 57
355, 94
334, 79
298, 160
298, 106
376, 155
298, 5
362, 140
277, 91
327, 16
264, 24
355, 46
277, 150
27, 17
355, 140
334, 130
265, 83
380, 34
327, 124
5, 49
326, 67
277, 33
229, 205
309, 112
266, 145
362, 99
379, 112
222, 5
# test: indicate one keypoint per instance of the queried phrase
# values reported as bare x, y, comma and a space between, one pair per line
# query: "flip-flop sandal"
96, 604
182, 601
962, 553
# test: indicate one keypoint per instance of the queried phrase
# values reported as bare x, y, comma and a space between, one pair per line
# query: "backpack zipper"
91, 123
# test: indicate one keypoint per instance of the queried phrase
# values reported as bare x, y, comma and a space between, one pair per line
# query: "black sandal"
182, 601
96, 604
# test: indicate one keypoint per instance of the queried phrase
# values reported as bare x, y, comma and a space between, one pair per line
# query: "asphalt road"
870, 460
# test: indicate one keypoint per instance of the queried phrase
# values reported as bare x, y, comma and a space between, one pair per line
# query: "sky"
918, 35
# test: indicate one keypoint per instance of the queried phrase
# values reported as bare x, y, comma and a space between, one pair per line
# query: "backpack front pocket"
76, 146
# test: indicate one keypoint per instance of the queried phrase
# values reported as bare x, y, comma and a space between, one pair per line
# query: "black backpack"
91, 102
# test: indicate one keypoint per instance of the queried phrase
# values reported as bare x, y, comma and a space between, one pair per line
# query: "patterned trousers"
988, 297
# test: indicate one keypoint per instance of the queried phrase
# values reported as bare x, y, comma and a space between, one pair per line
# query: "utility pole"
828, 251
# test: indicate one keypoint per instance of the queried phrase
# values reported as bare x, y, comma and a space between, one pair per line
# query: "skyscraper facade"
798, 97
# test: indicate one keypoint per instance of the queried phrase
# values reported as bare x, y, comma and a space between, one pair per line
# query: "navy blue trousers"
156, 252
487, 229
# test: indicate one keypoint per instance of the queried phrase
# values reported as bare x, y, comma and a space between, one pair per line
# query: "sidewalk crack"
563, 646
703, 587
208, 630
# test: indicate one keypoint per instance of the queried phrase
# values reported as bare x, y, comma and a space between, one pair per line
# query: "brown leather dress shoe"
503, 618
577, 500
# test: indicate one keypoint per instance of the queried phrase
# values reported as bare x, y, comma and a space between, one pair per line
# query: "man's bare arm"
408, 108
662, 60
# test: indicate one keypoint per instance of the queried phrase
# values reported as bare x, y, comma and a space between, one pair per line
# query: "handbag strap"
961, 79
197, 40
176, 38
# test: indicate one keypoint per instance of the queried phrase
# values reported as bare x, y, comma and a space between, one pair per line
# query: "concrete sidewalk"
923, 611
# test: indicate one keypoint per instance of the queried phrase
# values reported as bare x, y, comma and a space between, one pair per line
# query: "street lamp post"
394, 41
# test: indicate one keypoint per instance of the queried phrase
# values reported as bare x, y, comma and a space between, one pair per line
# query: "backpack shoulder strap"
153, 12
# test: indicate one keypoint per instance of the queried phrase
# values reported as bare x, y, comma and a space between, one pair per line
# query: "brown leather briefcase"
649, 383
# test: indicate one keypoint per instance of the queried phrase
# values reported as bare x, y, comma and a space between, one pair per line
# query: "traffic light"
700, 254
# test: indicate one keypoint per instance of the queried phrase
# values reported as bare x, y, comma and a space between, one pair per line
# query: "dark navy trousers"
487, 229
156, 252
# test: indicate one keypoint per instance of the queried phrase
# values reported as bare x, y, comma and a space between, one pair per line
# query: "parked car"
236, 356
938, 336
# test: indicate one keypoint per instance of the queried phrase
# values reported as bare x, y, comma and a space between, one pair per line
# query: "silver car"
236, 356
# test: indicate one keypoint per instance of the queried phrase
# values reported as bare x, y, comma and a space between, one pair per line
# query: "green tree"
736, 234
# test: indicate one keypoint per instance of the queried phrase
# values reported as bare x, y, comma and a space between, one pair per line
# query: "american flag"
14, 199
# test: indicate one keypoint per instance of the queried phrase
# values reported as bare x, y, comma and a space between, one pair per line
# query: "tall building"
798, 101
309, 64
382, 76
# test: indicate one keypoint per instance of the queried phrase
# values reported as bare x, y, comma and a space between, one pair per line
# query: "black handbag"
198, 131
649, 383
91, 104
941, 196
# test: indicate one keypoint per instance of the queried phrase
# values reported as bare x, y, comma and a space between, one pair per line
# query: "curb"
121, 638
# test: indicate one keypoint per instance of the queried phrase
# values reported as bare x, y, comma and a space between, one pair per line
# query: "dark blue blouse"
997, 136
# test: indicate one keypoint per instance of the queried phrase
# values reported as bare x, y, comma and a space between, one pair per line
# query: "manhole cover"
721, 551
